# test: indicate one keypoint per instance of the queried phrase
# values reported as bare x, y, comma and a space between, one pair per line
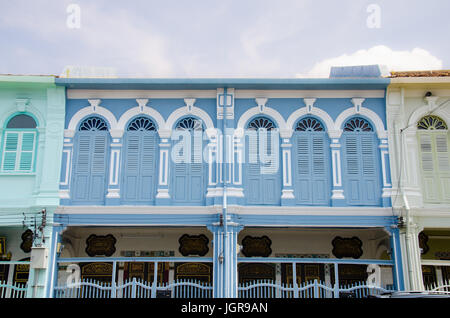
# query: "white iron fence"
87, 288
15, 290
442, 286
312, 289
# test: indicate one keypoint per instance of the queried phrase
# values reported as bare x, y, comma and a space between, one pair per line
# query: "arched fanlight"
261, 123
309, 124
431, 122
93, 124
357, 124
141, 124
190, 124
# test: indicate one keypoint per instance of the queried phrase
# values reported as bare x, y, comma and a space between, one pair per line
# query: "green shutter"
18, 152
27, 151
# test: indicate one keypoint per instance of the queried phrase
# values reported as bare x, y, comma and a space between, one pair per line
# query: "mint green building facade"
32, 111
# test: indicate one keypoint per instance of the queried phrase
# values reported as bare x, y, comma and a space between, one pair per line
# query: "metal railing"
135, 288
312, 289
15, 290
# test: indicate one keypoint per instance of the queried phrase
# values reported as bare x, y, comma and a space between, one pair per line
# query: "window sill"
17, 174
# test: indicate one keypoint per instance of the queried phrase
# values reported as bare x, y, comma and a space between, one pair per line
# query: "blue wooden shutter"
98, 172
353, 170
89, 179
81, 171
311, 170
361, 167
197, 169
130, 186
371, 192
254, 182
303, 169
148, 166
263, 180
270, 179
320, 164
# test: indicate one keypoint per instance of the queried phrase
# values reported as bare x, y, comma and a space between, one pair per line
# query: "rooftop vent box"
356, 71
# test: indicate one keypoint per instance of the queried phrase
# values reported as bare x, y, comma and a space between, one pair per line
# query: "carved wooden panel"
199, 271
256, 246
347, 247
97, 271
256, 271
100, 245
193, 245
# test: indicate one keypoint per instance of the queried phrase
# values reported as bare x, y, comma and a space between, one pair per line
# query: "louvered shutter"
428, 171
148, 166
435, 163
311, 169
10, 151
196, 169
320, 163
27, 151
89, 178
370, 190
81, 174
180, 179
254, 186
361, 169
270, 179
98, 173
303, 169
443, 163
131, 166
353, 170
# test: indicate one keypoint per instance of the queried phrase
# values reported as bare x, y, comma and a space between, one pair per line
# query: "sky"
228, 38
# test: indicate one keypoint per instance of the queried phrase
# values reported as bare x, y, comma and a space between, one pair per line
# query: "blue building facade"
227, 182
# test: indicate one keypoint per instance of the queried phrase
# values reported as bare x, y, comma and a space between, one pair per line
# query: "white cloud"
416, 59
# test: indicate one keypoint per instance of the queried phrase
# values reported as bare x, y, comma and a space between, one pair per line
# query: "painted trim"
371, 115
86, 112
135, 112
181, 112
315, 111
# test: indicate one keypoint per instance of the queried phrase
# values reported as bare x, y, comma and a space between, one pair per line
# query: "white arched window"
139, 161
90, 164
19, 145
434, 159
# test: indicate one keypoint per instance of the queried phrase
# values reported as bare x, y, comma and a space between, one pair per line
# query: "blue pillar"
396, 256
52, 272
225, 247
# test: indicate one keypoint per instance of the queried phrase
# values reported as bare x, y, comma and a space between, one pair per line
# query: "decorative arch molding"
285, 131
31, 111
184, 111
424, 110
371, 115
84, 112
317, 112
136, 111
